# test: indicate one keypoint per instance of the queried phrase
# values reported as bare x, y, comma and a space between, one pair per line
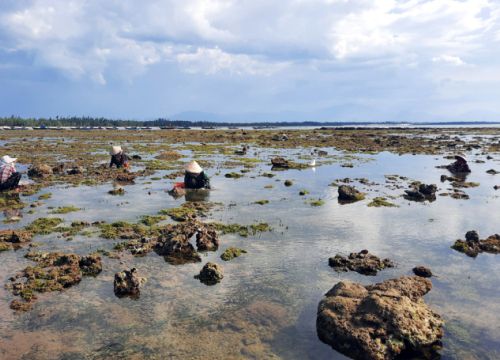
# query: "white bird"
312, 163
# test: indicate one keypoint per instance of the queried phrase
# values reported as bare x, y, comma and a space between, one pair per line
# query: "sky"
252, 60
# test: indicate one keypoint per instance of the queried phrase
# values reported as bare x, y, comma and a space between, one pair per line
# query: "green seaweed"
65, 209
381, 201
231, 253
44, 226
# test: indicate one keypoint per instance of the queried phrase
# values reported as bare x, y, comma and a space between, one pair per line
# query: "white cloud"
449, 59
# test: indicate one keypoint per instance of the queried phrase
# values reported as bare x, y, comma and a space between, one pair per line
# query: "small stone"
422, 271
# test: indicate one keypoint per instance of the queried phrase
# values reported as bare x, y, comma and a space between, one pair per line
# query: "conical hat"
116, 150
193, 167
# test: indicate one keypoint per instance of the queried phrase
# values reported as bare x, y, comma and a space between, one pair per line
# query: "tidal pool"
265, 307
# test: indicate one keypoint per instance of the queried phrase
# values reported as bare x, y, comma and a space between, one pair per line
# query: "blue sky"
242, 60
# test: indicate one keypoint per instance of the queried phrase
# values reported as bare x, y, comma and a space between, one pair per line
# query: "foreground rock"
210, 274
53, 272
421, 192
473, 246
40, 171
381, 321
362, 262
349, 194
128, 283
207, 240
460, 166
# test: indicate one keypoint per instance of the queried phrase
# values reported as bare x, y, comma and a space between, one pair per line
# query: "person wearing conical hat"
195, 177
9, 177
118, 157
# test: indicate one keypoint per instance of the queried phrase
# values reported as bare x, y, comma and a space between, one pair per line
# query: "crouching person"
195, 177
118, 157
9, 177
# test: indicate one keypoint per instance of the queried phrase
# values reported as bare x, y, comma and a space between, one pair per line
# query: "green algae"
381, 202
233, 175
45, 196
316, 202
150, 220
65, 209
242, 230
123, 230
261, 202
44, 226
303, 192
231, 253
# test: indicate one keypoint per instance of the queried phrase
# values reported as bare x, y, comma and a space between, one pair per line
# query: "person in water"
9, 177
195, 177
118, 157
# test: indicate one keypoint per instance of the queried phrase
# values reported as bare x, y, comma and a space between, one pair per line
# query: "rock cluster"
381, 321
349, 194
174, 244
210, 274
422, 271
362, 262
421, 192
473, 246
53, 272
127, 283
14, 239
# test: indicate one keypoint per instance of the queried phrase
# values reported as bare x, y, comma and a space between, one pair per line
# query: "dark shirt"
196, 181
119, 160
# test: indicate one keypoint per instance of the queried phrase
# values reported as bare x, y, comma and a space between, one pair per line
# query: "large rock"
128, 283
349, 194
40, 171
381, 321
460, 166
362, 262
473, 246
174, 244
210, 274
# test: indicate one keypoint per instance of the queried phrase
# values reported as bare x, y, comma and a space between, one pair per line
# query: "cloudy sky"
325, 60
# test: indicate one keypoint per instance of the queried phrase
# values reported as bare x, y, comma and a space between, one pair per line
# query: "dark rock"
422, 271
128, 283
381, 321
288, 183
472, 236
460, 166
90, 265
421, 192
125, 177
278, 137
210, 274
76, 170
136, 157
59, 169
362, 262
492, 172
349, 194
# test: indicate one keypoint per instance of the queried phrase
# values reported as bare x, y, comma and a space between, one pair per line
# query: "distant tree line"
87, 121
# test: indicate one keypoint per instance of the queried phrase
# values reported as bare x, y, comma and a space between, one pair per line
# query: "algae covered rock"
473, 246
349, 194
382, 321
231, 253
460, 166
40, 171
128, 283
362, 262
174, 245
210, 274
279, 162
207, 240
13, 239
53, 272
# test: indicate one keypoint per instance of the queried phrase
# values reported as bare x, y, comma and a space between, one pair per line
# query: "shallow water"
265, 307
